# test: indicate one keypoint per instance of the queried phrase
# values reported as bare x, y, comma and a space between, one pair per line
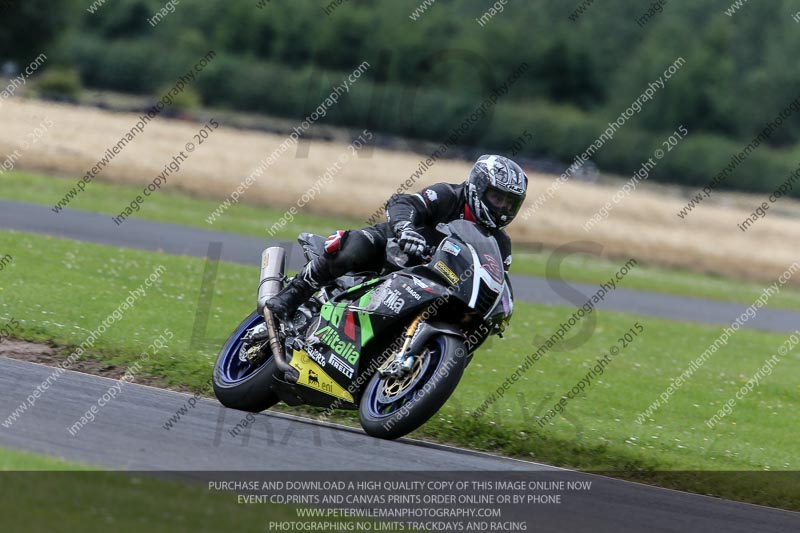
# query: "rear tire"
237, 385
393, 420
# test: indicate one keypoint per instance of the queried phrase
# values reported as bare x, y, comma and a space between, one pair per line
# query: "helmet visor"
504, 205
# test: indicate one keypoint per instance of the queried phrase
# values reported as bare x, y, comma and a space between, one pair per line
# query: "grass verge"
58, 291
251, 220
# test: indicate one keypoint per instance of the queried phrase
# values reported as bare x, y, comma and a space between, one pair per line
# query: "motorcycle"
391, 344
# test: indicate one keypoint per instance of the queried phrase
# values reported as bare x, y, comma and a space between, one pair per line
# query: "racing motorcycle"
391, 344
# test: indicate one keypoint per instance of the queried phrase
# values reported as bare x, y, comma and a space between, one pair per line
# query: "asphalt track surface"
128, 434
183, 240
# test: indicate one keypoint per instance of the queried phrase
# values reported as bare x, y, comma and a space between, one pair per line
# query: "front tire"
239, 385
389, 416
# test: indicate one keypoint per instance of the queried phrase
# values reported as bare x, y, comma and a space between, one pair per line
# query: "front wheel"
239, 384
391, 408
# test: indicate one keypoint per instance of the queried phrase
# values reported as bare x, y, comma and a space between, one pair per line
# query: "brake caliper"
399, 367
254, 342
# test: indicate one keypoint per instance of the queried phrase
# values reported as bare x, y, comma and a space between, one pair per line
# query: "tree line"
429, 74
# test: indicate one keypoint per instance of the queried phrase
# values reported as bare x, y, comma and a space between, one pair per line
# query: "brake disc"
394, 388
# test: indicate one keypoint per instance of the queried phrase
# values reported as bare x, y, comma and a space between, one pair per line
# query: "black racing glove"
409, 240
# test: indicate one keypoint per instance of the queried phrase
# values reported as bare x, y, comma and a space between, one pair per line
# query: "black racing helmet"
496, 188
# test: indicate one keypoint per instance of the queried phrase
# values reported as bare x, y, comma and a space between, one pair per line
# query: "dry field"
643, 226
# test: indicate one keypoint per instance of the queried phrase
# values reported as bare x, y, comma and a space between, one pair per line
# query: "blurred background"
578, 66
280, 59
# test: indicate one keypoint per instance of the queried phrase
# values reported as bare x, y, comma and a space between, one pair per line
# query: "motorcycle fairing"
466, 266
349, 321
471, 263
314, 377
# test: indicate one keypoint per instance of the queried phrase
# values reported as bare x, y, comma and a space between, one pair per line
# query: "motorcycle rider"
491, 196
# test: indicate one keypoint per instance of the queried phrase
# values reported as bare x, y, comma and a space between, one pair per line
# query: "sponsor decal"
315, 356
341, 366
412, 292
446, 272
431, 194
515, 187
451, 248
313, 377
421, 284
344, 349
394, 301
492, 267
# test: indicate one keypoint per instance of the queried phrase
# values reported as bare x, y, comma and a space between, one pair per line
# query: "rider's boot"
299, 289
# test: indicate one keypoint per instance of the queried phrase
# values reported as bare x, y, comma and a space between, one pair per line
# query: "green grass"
46, 494
13, 460
59, 290
254, 220
594, 270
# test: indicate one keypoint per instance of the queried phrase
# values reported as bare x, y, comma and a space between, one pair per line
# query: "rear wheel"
391, 408
239, 384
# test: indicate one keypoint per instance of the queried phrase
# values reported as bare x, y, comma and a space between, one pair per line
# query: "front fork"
403, 361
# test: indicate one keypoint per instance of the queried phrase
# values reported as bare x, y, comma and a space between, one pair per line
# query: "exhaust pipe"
273, 265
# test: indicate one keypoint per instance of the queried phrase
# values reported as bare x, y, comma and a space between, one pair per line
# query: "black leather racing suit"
364, 249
